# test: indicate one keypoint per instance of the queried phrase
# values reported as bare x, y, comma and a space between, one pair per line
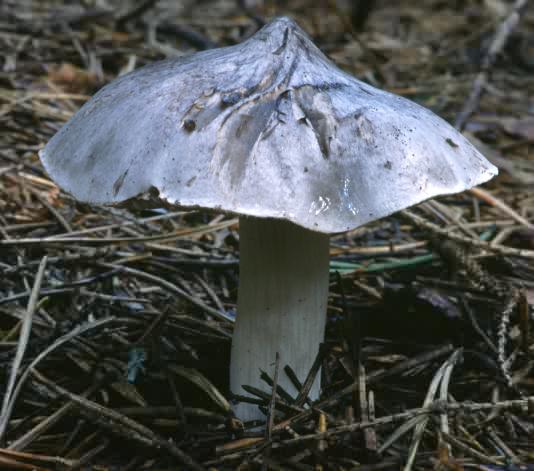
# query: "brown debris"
115, 326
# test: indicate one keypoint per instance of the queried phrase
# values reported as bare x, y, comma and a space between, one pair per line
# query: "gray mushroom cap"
267, 128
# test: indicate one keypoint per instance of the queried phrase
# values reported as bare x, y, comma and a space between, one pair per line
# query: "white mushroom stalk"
268, 129
283, 292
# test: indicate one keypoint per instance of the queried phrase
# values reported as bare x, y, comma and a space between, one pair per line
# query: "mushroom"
273, 131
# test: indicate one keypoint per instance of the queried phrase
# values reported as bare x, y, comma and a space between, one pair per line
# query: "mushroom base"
282, 298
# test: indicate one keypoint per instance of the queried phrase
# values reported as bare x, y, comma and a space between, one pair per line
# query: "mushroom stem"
282, 298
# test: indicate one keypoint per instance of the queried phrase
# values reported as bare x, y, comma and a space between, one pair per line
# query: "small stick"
165, 237
524, 321
499, 40
308, 382
280, 404
499, 204
369, 433
420, 427
321, 428
21, 442
290, 373
89, 456
466, 449
10, 463
352, 387
272, 408
409, 364
56, 460
60, 341
503, 250
119, 424
437, 407
279, 389
272, 404
168, 286
21, 347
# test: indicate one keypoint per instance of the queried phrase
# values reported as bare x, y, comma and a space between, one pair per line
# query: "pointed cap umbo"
267, 128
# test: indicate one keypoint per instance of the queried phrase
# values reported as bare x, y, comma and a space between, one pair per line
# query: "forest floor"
111, 355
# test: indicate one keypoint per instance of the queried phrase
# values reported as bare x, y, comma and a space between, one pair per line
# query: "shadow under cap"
267, 128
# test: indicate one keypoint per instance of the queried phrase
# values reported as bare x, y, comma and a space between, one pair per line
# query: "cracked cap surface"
268, 128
